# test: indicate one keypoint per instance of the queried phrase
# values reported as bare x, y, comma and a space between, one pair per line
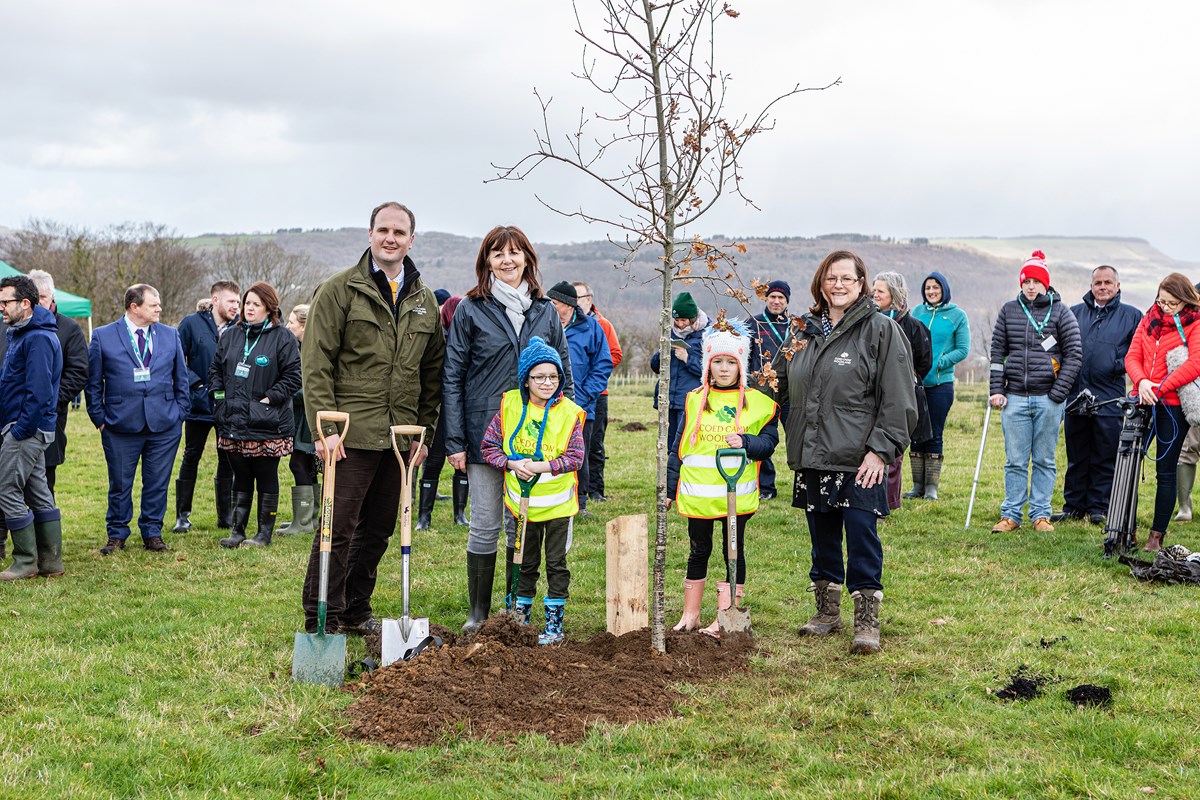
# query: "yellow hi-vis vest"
701, 491
553, 496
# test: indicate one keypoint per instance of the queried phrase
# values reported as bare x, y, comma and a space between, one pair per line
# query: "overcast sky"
964, 117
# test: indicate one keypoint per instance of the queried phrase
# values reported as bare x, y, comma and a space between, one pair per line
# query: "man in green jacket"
373, 348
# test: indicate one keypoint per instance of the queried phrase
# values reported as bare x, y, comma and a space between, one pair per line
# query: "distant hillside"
982, 272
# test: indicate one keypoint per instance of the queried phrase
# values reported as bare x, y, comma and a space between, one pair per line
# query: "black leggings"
700, 531
304, 467
251, 470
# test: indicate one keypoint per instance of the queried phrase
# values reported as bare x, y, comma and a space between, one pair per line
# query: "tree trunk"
658, 633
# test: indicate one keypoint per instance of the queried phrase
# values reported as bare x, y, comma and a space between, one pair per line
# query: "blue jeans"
1030, 427
940, 398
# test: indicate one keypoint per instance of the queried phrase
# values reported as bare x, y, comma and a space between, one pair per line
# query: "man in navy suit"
137, 395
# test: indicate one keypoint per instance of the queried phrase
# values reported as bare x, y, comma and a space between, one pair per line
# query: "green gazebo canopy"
69, 305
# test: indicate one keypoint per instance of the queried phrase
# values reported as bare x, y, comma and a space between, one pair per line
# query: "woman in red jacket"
1173, 321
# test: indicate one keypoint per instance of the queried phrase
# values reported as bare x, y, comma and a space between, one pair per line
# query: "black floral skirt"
824, 491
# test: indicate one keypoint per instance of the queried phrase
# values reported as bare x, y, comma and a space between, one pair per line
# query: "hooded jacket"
30, 379
949, 333
1107, 332
380, 363
481, 365
1028, 363
850, 392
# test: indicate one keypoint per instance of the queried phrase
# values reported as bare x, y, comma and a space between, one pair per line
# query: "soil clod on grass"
633, 427
1088, 694
1024, 684
1048, 643
500, 684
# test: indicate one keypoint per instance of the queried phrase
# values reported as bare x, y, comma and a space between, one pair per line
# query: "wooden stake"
627, 548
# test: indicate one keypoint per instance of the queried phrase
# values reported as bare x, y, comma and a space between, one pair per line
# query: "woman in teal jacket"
950, 336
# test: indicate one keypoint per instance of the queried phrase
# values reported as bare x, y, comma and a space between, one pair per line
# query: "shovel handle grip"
731, 477
335, 417
406, 481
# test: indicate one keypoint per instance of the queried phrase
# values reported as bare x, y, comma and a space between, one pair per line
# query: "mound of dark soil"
1024, 684
633, 427
499, 684
1088, 694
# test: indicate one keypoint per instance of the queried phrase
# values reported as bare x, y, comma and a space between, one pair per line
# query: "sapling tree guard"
664, 145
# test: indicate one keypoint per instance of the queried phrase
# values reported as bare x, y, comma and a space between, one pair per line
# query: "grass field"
166, 675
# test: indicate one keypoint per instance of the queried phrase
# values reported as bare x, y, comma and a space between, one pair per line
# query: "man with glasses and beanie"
591, 364
595, 446
1036, 356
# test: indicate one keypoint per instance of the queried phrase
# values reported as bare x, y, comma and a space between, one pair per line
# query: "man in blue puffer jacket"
591, 366
1106, 327
28, 397
1036, 356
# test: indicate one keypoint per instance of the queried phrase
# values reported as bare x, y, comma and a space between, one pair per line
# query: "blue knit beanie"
782, 287
537, 352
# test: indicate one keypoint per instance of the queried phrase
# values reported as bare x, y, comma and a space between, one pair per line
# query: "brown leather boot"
828, 619
1154, 542
866, 621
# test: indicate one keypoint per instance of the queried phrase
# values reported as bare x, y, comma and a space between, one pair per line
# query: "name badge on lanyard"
141, 375
242, 370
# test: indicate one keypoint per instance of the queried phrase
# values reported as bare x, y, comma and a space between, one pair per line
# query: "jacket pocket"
263, 418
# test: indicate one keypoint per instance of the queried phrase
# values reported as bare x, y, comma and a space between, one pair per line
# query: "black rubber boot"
183, 505
224, 490
510, 591
268, 508
304, 505
459, 493
3, 539
238, 518
481, 571
425, 504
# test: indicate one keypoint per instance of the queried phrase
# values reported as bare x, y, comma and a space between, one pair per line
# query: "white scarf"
515, 301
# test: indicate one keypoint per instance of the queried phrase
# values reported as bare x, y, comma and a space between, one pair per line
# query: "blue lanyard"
1032, 322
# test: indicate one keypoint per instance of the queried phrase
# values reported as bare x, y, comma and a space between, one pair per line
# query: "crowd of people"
510, 381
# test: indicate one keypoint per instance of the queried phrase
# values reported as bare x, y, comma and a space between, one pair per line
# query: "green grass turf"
166, 675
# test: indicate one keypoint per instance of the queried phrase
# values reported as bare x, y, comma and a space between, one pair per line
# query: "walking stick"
978, 463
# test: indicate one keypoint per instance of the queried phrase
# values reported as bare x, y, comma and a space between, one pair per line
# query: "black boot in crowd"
268, 508
239, 516
183, 505
460, 491
425, 504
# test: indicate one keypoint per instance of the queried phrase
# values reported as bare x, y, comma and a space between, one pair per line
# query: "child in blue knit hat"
538, 434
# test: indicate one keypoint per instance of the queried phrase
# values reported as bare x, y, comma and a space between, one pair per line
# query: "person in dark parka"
890, 293
492, 326
1036, 356
1106, 327
74, 369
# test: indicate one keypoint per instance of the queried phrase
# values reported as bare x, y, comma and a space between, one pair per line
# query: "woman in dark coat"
252, 379
847, 374
890, 293
492, 325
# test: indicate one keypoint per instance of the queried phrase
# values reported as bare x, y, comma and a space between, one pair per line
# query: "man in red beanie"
1036, 355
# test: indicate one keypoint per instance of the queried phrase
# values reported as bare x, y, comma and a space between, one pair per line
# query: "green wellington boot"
24, 553
47, 526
